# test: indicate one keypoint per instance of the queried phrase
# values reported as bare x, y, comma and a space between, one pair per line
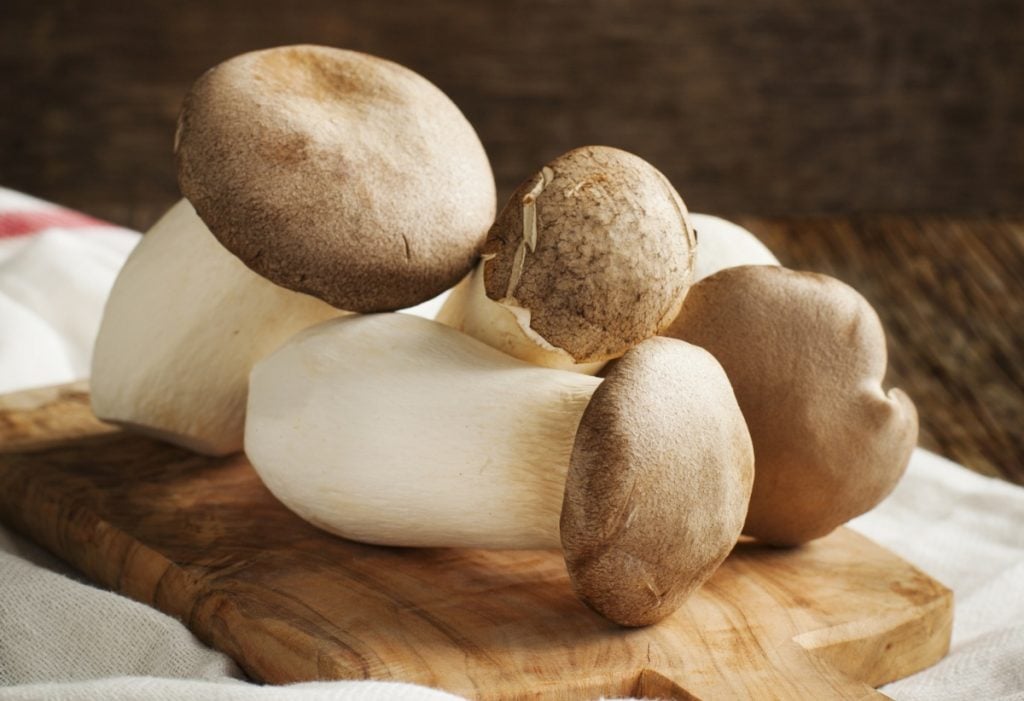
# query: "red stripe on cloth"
29, 222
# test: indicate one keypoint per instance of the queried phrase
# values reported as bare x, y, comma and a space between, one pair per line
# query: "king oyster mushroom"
590, 256
806, 357
317, 180
397, 430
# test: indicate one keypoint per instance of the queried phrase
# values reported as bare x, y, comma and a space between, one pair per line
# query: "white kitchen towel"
56, 270
61, 638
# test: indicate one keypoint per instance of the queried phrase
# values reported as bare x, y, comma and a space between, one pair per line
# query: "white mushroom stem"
504, 326
183, 326
724, 244
396, 430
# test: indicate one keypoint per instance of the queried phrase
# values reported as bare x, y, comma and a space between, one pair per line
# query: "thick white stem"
503, 326
397, 430
726, 245
183, 326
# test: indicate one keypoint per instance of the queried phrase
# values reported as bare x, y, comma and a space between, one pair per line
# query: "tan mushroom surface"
806, 356
397, 430
659, 482
317, 180
589, 256
336, 173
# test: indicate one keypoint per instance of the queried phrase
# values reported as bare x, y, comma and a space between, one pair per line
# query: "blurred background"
756, 107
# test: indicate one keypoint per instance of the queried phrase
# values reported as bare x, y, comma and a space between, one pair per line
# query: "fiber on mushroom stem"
589, 256
806, 356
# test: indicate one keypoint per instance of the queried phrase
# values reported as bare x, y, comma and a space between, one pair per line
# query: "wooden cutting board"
202, 540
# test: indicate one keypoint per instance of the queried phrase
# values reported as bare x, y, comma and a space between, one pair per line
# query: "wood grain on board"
203, 540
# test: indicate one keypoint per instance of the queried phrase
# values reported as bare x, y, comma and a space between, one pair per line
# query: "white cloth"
56, 270
61, 638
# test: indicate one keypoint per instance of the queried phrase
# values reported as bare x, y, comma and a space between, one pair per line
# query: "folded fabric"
61, 638
967, 531
56, 270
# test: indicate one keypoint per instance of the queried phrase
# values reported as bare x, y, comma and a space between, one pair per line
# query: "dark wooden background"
754, 106
774, 109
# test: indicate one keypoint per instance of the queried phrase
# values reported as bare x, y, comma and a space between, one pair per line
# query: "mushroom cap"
658, 482
337, 174
806, 356
611, 257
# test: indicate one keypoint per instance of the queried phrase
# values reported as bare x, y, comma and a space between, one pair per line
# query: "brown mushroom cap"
658, 482
612, 256
806, 356
337, 174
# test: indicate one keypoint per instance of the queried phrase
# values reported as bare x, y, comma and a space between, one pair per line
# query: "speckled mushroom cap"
806, 356
598, 246
658, 482
337, 174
